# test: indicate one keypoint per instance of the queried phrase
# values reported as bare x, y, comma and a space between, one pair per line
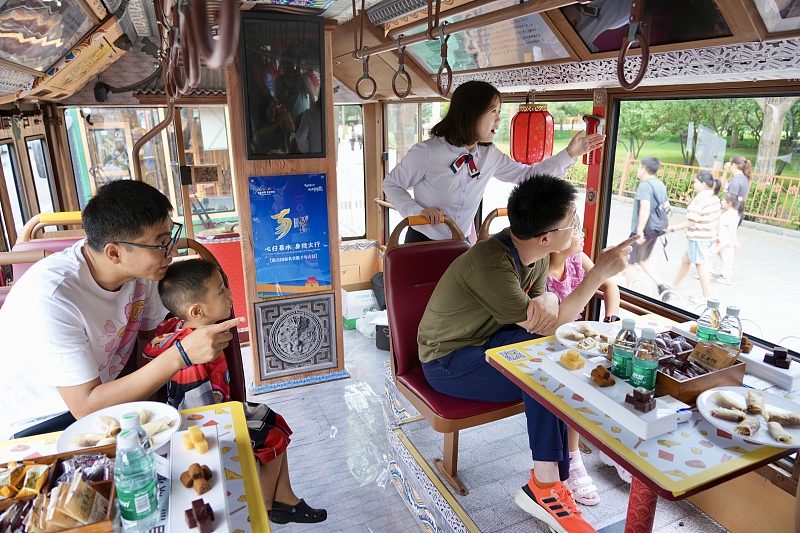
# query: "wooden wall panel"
244, 168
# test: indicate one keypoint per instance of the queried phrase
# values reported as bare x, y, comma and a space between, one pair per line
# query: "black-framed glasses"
576, 227
167, 247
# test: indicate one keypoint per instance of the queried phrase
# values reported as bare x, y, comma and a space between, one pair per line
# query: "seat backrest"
411, 273
49, 241
484, 232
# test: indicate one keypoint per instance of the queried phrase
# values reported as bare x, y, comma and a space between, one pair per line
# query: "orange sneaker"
554, 506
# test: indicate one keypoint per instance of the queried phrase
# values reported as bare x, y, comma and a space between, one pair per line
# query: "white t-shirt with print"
59, 328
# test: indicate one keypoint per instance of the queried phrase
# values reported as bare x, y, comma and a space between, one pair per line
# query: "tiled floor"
338, 461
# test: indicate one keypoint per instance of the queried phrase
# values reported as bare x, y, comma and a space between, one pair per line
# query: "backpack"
659, 220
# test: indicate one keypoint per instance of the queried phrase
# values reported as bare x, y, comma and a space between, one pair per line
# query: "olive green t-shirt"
478, 294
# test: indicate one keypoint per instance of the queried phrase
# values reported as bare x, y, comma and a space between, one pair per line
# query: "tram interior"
83, 83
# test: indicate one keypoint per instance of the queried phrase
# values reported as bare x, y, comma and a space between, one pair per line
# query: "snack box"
106, 488
688, 390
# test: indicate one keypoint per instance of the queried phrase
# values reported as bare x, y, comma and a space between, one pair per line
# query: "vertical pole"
593, 172
188, 223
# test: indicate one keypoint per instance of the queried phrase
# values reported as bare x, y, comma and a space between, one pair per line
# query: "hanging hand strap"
445, 66
401, 71
365, 77
634, 35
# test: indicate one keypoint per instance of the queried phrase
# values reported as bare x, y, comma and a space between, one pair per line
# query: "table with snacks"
235, 492
695, 453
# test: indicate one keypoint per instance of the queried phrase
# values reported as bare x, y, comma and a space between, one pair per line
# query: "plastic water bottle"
622, 350
131, 421
708, 323
730, 328
136, 483
645, 361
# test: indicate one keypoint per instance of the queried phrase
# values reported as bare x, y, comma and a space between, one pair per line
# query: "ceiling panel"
779, 15
36, 33
602, 24
525, 39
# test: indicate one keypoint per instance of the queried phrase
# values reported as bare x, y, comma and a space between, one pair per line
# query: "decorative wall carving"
716, 64
296, 336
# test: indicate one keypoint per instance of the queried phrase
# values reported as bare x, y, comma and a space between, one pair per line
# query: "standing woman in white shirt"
449, 172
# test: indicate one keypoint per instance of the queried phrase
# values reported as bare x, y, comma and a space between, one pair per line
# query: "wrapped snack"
586, 344
35, 476
55, 516
755, 402
734, 415
157, 426
747, 427
94, 467
144, 415
586, 329
573, 335
779, 434
84, 503
86, 440
107, 424
727, 400
787, 420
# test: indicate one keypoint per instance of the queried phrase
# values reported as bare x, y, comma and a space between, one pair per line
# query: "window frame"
634, 301
51, 182
11, 230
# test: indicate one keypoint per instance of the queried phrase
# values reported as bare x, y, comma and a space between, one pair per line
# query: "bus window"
350, 181
567, 122
205, 142
42, 177
13, 188
750, 146
402, 131
101, 141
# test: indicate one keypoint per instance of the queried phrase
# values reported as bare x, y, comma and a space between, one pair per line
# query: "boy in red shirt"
194, 291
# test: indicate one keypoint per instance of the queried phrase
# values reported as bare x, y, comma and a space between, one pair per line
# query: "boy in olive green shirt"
495, 294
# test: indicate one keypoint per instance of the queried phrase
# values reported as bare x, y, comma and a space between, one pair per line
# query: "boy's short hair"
650, 164
184, 284
732, 198
122, 211
538, 204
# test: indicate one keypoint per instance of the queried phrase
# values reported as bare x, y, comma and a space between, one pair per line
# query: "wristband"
183, 353
611, 318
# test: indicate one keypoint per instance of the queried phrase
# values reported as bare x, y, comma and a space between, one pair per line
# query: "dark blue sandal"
301, 513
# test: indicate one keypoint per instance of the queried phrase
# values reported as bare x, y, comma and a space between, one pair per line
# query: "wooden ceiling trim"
561, 34
707, 90
393, 29
546, 63
743, 19
566, 34
21, 68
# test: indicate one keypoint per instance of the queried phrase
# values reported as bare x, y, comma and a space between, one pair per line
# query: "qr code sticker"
512, 355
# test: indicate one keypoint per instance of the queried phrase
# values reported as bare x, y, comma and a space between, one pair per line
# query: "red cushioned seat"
411, 273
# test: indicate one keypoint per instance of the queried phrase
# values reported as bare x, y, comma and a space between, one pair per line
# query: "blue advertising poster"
290, 232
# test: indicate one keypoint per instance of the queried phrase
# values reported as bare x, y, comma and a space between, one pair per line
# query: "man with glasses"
495, 294
70, 324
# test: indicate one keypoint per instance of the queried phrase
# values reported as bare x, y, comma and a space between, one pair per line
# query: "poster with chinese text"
290, 234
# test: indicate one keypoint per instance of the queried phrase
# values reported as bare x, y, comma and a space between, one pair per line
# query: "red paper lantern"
531, 134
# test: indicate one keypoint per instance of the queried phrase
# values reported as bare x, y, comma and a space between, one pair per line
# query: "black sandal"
302, 513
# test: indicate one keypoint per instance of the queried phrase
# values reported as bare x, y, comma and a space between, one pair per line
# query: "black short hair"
122, 211
732, 198
650, 164
184, 284
469, 102
706, 178
538, 204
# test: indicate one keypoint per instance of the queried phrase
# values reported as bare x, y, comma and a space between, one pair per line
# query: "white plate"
775, 404
181, 498
87, 423
599, 327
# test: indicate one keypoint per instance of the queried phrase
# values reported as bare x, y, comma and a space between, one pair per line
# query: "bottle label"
643, 374
621, 362
139, 503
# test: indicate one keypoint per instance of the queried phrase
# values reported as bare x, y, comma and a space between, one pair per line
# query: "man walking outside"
649, 220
